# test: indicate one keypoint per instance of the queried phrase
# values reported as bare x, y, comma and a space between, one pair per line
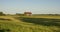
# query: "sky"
34, 6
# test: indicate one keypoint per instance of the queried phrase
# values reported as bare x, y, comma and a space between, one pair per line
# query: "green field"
29, 23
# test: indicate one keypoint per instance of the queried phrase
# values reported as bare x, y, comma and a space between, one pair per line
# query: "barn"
27, 13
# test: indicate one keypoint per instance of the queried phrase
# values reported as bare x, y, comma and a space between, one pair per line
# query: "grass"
29, 24
42, 21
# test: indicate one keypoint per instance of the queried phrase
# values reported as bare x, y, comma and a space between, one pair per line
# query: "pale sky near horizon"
34, 6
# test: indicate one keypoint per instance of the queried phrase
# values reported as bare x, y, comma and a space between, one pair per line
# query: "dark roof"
27, 13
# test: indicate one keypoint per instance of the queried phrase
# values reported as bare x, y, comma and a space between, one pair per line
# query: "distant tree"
1, 14
19, 14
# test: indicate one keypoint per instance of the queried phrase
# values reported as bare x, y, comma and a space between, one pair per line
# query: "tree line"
20, 14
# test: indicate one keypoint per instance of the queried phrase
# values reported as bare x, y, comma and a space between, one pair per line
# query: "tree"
19, 14
1, 14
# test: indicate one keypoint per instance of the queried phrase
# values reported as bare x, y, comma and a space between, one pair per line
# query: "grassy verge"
26, 24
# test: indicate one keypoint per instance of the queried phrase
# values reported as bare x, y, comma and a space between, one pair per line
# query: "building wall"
27, 14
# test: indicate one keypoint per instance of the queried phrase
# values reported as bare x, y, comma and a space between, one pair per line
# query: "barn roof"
27, 13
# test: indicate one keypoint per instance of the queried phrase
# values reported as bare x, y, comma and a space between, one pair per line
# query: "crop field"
29, 23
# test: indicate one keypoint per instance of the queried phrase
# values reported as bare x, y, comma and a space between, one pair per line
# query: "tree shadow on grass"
5, 19
42, 21
5, 30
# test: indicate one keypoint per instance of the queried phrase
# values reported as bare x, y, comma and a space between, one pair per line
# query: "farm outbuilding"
27, 13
